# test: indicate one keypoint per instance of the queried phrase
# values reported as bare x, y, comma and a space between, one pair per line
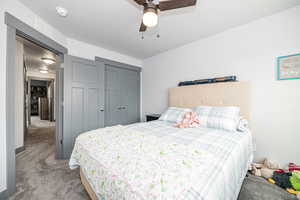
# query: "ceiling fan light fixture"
150, 17
49, 61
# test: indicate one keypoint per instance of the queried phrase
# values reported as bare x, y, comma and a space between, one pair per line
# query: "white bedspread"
224, 172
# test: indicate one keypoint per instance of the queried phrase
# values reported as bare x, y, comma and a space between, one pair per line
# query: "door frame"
17, 27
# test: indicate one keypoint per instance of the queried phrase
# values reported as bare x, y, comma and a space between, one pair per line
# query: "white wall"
75, 48
89, 51
250, 52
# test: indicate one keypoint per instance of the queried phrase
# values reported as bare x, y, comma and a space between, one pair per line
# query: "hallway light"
43, 71
49, 61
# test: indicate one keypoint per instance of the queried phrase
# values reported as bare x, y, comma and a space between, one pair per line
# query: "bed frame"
87, 186
215, 94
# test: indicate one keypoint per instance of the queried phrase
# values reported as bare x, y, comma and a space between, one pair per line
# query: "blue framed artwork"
288, 67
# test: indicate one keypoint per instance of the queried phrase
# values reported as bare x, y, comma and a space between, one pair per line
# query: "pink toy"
190, 120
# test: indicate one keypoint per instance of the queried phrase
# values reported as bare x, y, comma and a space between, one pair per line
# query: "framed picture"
288, 67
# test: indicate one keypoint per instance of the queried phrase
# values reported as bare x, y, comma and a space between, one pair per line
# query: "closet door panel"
92, 105
77, 112
130, 96
112, 96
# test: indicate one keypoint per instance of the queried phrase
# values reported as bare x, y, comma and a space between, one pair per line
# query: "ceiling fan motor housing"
150, 7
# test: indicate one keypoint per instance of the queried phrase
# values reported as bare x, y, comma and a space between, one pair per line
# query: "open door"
83, 99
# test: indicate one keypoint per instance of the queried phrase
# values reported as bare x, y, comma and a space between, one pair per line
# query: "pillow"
190, 120
225, 118
174, 114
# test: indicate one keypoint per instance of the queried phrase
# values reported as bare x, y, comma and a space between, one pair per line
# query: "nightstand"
152, 117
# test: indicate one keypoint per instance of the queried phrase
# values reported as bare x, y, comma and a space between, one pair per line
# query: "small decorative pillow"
174, 114
225, 118
190, 120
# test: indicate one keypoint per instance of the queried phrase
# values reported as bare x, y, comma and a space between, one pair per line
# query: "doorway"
15, 29
35, 92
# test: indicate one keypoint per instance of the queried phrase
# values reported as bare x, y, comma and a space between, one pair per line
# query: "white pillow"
225, 118
174, 114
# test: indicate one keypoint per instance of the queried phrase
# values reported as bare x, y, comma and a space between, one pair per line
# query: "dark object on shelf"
206, 81
152, 117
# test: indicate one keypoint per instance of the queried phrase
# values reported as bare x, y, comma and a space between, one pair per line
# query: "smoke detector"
61, 11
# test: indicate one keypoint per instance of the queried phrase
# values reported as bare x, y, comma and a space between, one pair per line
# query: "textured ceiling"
114, 24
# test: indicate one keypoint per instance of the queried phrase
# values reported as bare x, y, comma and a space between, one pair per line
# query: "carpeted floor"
41, 177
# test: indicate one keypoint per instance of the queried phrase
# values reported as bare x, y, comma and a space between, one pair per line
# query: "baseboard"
3, 195
20, 149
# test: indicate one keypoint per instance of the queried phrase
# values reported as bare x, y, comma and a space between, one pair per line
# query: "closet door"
84, 99
122, 95
130, 96
113, 95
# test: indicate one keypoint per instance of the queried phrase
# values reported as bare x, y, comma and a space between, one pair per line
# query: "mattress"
219, 178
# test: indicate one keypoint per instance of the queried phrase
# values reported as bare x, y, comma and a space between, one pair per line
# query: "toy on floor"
286, 179
265, 169
295, 180
294, 167
290, 181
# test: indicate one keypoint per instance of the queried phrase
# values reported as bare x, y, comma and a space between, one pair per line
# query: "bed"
135, 161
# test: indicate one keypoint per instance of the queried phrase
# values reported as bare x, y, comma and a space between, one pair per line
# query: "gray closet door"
130, 97
84, 99
122, 95
113, 96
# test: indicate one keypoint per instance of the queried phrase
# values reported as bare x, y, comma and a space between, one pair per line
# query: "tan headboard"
215, 94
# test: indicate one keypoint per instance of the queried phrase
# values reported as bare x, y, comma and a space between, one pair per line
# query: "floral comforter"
146, 161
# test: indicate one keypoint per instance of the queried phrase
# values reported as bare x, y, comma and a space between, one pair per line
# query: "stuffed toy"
290, 181
265, 169
294, 167
262, 171
190, 120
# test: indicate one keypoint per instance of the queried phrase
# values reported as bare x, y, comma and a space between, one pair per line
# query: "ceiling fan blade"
174, 4
143, 28
140, 2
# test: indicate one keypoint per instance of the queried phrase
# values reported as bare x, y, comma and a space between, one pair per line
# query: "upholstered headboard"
215, 94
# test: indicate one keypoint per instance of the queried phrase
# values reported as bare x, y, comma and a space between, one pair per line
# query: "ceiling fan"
151, 8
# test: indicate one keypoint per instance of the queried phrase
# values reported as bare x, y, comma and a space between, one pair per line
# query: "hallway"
39, 175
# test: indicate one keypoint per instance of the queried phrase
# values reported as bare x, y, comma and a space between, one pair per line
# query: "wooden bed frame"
87, 186
216, 94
